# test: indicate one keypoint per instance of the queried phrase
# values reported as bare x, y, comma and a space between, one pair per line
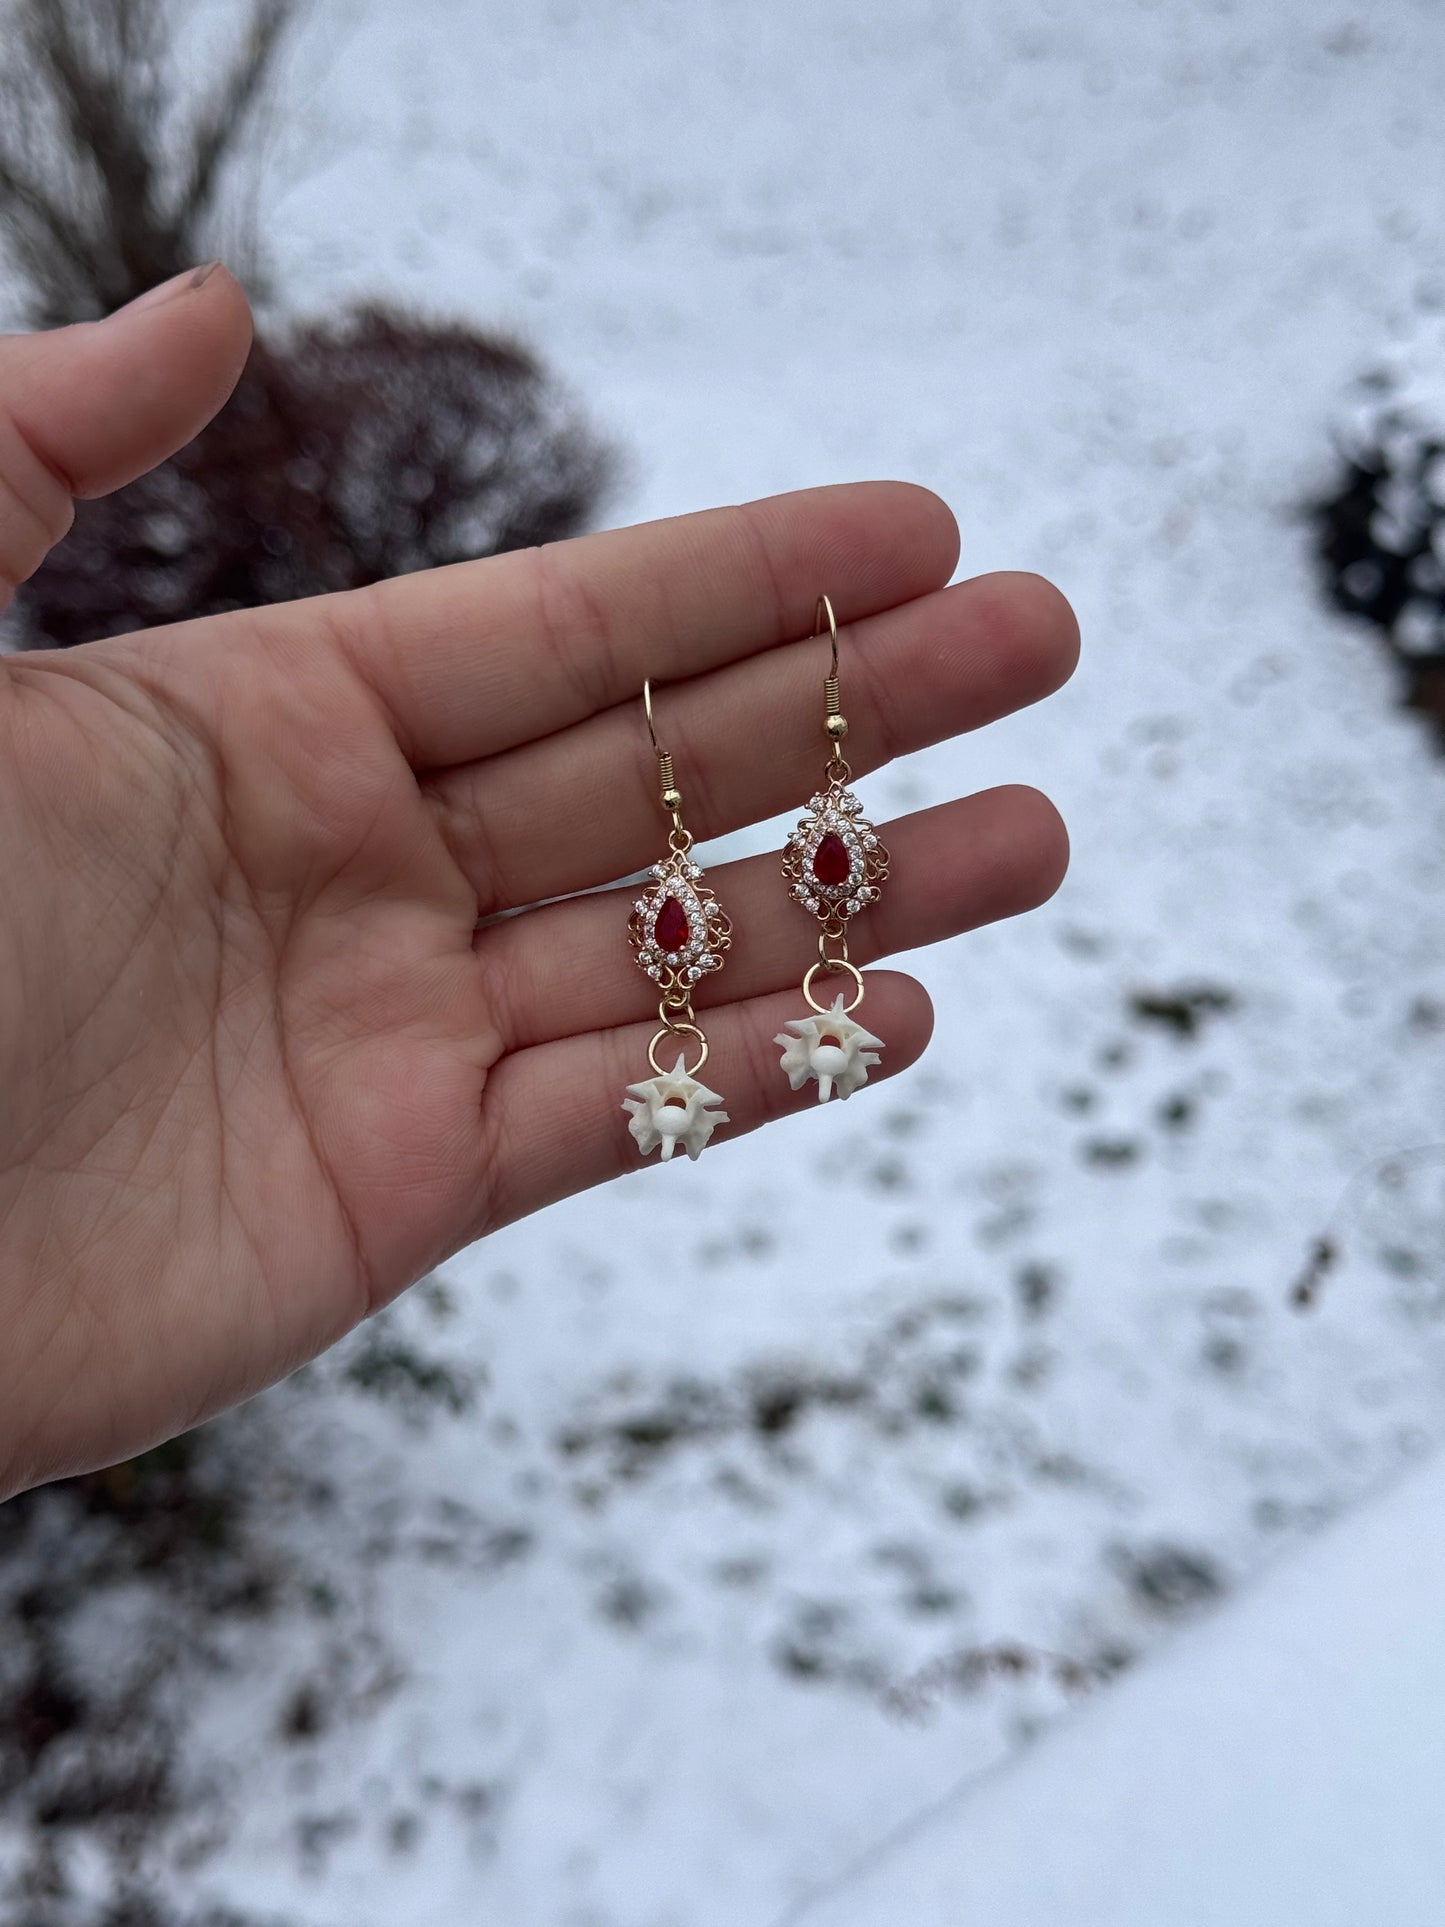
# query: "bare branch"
109, 175
219, 126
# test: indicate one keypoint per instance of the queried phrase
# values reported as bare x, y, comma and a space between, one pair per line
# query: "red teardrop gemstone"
831, 865
670, 932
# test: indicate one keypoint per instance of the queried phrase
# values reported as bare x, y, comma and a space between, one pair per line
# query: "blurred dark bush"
1381, 529
355, 448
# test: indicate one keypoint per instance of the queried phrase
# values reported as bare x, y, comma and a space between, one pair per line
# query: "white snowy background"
664, 1630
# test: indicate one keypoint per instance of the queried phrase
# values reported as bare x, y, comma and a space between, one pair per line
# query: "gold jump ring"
833, 966
677, 1030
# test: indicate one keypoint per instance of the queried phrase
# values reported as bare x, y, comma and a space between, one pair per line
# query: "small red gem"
831, 863
670, 932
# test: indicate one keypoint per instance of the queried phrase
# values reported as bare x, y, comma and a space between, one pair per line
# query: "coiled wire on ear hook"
671, 795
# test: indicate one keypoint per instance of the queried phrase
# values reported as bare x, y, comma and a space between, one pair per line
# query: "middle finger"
580, 807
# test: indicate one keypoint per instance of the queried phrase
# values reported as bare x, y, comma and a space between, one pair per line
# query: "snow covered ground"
1313, 1794
676, 1620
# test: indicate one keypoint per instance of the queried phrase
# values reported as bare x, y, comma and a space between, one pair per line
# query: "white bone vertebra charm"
672, 1109
831, 1048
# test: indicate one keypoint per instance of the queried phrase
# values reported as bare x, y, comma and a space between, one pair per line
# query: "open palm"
259, 1065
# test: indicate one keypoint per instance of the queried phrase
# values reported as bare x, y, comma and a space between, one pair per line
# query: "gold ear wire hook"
835, 723
671, 794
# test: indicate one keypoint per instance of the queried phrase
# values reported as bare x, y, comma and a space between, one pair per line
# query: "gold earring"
835, 867
679, 935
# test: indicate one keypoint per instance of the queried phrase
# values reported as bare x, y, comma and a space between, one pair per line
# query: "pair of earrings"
834, 866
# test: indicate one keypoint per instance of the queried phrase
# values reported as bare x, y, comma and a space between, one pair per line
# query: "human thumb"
85, 409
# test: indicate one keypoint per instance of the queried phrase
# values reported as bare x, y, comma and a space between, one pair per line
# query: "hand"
258, 1068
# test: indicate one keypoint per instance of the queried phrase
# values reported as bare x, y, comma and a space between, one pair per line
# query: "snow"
1280, 1764
1100, 276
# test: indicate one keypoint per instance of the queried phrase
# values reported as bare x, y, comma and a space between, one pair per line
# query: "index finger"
483, 656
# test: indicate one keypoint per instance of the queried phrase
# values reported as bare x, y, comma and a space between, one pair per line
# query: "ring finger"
567, 967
